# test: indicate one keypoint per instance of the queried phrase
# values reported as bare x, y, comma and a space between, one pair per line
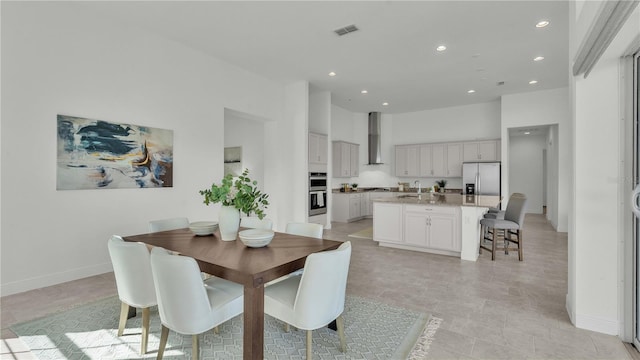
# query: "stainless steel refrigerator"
481, 178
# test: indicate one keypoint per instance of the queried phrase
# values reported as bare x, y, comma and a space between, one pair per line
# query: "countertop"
443, 200
389, 189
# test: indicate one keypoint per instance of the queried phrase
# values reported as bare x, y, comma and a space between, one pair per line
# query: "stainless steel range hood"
374, 138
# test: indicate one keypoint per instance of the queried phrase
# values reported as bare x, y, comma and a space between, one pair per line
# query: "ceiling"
392, 55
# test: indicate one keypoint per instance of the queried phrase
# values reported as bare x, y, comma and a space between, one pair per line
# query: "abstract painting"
96, 154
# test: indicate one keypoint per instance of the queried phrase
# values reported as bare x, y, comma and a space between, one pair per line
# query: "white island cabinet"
440, 224
433, 227
390, 230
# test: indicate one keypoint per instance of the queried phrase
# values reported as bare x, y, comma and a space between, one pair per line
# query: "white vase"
229, 222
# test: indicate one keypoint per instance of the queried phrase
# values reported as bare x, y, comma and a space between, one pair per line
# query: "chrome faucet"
419, 186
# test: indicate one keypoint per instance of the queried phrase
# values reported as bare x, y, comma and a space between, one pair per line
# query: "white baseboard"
38, 282
593, 323
569, 308
598, 324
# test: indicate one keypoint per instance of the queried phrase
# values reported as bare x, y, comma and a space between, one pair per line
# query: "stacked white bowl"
256, 237
203, 228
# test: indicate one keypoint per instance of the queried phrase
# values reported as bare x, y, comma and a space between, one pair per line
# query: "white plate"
200, 224
256, 233
256, 237
203, 228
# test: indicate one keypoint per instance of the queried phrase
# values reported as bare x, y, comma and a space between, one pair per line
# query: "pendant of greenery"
241, 193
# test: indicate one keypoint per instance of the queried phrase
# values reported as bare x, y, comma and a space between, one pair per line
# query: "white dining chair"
134, 281
315, 298
305, 229
302, 229
168, 224
185, 304
255, 222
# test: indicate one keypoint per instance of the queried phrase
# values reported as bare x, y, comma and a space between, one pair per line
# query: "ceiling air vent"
345, 30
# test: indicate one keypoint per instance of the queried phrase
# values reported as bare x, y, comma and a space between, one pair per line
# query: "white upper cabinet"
438, 160
345, 159
481, 151
407, 160
426, 165
318, 149
354, 150
454, 160
443, 160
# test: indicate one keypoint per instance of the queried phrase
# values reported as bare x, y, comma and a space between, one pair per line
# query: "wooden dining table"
251, 267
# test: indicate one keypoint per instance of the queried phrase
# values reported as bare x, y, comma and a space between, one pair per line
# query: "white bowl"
256, 237
203, 228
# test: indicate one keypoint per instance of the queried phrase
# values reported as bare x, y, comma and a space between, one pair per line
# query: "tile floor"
491, 310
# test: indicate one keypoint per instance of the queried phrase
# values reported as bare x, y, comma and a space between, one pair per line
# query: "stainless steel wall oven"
317, 193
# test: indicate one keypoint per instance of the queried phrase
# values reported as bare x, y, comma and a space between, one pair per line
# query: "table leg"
253, 340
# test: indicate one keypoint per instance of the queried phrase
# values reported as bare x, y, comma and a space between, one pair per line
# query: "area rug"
373, 331
363, 234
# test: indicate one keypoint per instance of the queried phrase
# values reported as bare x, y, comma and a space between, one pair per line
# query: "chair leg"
286, 327
164, 336
195, 347
124, 311
482, 230
216, 330
507, 236
340, 325
309, 354
145, 330
520, 237
493, 245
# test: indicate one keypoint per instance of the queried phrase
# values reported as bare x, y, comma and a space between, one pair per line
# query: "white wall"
459, 123
595, 244
287, 156
249, 134
547, 107
319, 111
525, 169
59, 60
552, 176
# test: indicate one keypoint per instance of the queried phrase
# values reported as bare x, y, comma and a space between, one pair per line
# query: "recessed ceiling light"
527, 132
441, 48
332, 74
385, 103
542, 23
538, 58
471, 91
364, 92
533, 82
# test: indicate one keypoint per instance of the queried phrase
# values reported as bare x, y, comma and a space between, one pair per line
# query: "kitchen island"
447, 224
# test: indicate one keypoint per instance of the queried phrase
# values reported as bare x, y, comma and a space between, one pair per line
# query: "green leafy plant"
441, 183
354, 185
241, 193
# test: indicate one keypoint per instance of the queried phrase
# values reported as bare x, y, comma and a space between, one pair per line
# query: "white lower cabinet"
424, 228
348, 206
354, 206
365, 210
387, 222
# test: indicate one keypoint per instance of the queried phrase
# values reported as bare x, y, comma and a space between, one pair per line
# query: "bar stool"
511, 225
